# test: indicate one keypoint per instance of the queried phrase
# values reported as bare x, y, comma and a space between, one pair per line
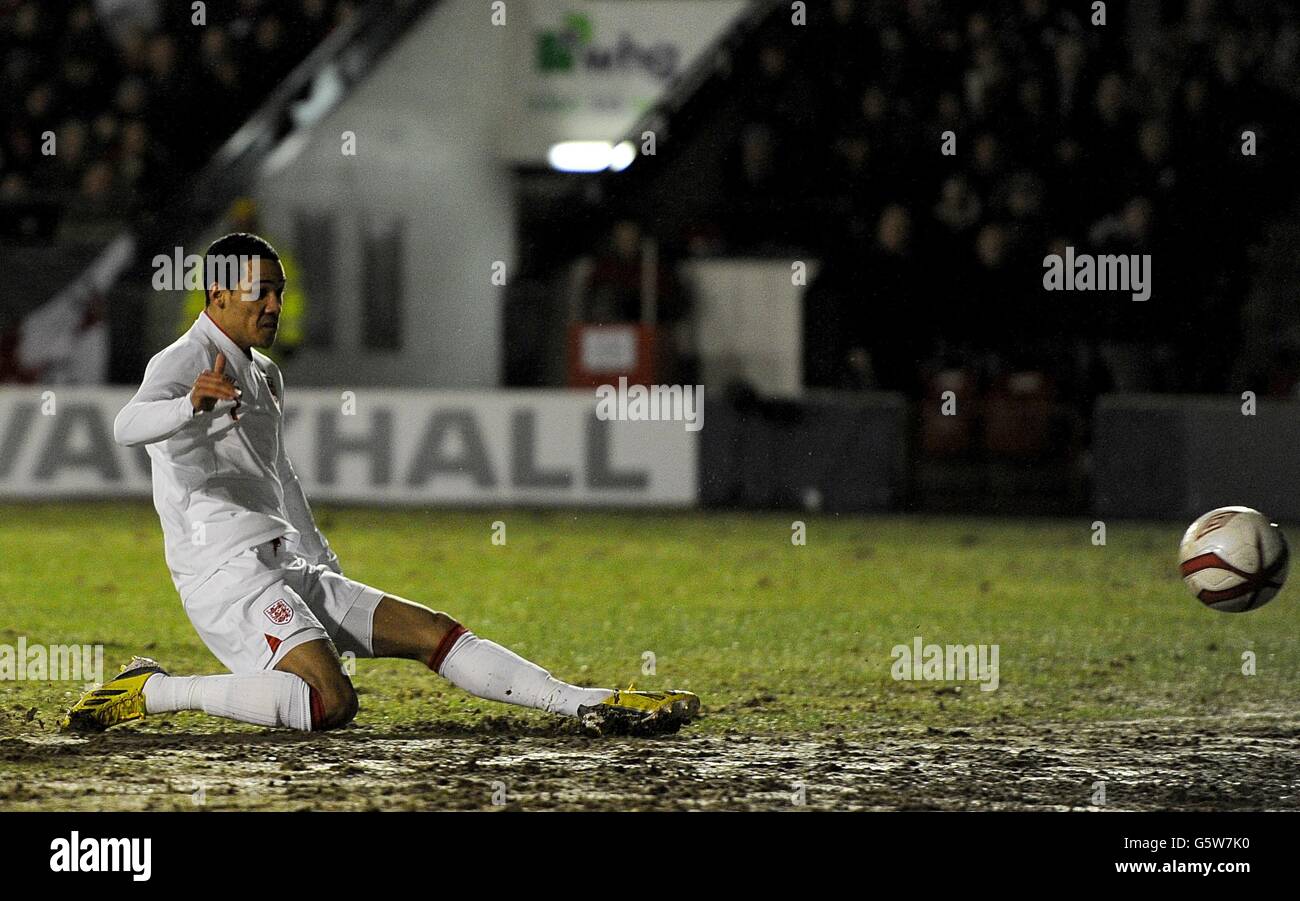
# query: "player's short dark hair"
235, 244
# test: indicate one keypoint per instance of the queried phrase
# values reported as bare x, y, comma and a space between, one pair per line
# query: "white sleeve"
311, 543
162, 406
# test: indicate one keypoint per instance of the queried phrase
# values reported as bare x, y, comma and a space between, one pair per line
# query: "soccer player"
258, 580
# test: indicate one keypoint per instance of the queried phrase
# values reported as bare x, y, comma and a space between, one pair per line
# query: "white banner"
588, 69
749, 321
379, 446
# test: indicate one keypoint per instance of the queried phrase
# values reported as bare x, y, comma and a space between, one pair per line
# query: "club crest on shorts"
279, 612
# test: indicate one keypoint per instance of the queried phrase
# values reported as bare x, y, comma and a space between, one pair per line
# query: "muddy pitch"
1184, 764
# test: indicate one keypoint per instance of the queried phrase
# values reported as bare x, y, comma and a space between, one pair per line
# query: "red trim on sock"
444, 647
317, 710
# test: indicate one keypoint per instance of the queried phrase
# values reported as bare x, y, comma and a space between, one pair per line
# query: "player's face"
251, 312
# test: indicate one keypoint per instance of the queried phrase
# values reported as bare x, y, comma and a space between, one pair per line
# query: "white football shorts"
266, 601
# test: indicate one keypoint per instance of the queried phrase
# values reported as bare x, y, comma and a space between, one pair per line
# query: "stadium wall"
381, 447
1153, 456
749, 322
408, 240
839, 452
402, 236
835, 452
1162, 456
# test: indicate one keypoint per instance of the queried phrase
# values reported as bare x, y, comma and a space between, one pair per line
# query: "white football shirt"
220, 485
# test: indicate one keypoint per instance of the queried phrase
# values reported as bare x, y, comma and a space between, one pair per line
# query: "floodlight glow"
622, 156
580, 156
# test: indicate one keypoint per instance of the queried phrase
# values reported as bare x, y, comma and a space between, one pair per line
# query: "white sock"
269, 698
486, 669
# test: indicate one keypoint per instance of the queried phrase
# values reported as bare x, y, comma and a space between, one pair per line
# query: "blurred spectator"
613, 287
1127, 146
888, 281
136, 93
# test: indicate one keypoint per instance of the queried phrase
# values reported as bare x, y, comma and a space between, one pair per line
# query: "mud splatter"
1245, 763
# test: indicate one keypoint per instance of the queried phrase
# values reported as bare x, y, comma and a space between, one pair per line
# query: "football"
1233, 559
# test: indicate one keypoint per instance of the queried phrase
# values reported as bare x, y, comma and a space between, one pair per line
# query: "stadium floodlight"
622, 155
580, 156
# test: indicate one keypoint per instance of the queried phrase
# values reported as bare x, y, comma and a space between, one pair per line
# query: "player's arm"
171, 397
311, 543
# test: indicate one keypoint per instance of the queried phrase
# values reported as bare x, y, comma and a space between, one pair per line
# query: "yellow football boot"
119, 700
631, 712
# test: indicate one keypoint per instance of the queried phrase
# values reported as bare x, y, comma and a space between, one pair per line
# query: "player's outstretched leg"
487, 670
307, 690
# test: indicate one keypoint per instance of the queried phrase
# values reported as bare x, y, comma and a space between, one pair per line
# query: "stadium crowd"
135, 96
1107, 138
1065, 133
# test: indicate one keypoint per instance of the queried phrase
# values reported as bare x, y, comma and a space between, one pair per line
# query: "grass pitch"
1109, 671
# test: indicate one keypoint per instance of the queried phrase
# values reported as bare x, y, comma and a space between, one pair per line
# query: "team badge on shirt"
279, 612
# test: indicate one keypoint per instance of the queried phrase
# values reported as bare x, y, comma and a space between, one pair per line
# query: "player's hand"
214, 385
